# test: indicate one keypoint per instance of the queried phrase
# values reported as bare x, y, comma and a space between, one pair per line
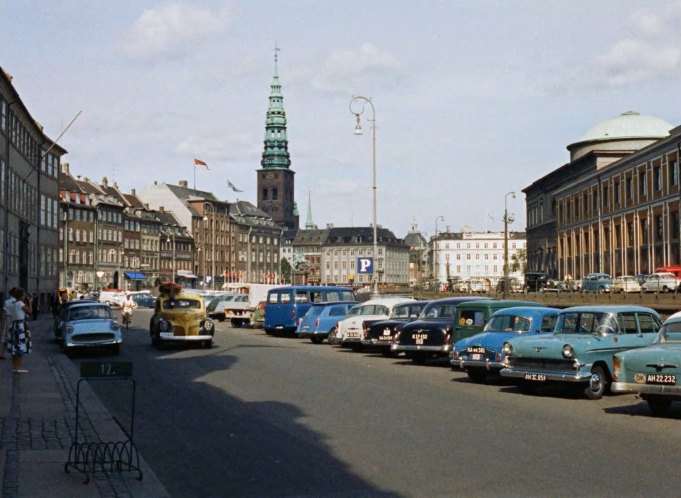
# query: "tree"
285, 270
519, 261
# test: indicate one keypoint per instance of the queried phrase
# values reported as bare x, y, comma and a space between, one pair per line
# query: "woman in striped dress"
17, 340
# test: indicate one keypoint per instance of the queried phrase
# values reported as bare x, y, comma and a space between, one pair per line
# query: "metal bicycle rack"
118, 456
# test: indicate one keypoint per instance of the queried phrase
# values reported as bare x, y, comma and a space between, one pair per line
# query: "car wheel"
418, 358
665, 289
598, 383
387, 353
601, 290
208, 344
316, 339
527, 387
357, 347
659, 406
221, 318
235, 323
477, 374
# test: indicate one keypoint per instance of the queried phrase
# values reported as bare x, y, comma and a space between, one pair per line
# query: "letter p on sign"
365, 265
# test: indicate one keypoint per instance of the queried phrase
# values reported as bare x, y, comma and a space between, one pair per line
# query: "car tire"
236, 323
527, 387
477, 374
601, 290
598, 383
387, 353
357, 348
419, 358
658, 406
208, 344
316, 339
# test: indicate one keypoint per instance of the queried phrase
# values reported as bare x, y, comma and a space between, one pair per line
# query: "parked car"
62, 314
258, 317
180, 318
321, 319
89, 324
379, 333
513, 284
555, 286
580, 350
675, 269
351, 330
597, 282
641, 278
430, 336
334, 337
660, 282
535, 281
483, 354
625, 283
653, 372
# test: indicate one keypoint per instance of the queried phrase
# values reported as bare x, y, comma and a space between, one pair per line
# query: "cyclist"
128, 305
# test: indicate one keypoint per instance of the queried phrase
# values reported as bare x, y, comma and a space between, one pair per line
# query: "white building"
476, 256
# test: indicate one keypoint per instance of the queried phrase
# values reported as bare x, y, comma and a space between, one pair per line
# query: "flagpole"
194, 175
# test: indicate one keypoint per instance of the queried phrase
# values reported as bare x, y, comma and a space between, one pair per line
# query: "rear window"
279, 297
509, 323
648, 323
440, 311
471, 318
315, 311
338, 311
175, 304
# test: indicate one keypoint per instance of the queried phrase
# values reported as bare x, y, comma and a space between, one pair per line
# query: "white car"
660, 282
350, 331
626, 283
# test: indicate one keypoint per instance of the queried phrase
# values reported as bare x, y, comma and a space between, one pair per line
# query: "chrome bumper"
92, 344
631, 387
487, 364
446, 348
576, 376
351, 340
187, 338
377, 343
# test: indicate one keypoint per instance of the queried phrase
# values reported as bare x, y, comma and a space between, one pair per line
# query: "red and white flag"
199, 162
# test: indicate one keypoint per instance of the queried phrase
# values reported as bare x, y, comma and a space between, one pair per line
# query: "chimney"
146, 206
160, 209
105, 182
132, 191
65, 168
183, 183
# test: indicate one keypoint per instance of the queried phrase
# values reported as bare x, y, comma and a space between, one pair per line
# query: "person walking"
17, 340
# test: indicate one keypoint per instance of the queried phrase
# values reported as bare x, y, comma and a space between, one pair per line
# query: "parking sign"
365, 265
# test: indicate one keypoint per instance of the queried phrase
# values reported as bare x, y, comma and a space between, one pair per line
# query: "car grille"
93, 337
542, 364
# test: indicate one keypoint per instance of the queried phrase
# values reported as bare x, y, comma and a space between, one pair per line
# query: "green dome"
628, 125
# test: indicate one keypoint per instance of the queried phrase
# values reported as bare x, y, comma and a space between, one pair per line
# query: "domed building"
418, 255
614, 207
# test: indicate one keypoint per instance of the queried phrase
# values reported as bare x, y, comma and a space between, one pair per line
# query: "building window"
642, 185
264, 194
658, 178
275, 194
673, 173
658, 227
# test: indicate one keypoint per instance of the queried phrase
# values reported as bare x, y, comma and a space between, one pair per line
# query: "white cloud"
171, 28
650, 53
342, 68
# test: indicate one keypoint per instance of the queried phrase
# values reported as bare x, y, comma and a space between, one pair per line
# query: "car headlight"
508, 349
208, 325
69, 329
114, 325
163, 325
568, 351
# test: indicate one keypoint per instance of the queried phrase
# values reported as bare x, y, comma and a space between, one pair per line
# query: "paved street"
265, 416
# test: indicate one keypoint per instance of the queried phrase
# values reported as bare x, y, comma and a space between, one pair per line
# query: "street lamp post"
212, 230
506, 222
171, 238
436, 276
358, 131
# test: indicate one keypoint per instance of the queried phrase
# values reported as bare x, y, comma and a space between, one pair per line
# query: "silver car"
660, 282
626, 283
90, 325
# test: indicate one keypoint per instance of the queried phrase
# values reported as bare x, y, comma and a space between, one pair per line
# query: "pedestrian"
18, 341
55, 305
5, 322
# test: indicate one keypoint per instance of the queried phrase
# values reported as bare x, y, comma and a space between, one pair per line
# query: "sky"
473, 99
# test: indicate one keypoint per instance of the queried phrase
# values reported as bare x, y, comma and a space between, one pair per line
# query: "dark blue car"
483, 353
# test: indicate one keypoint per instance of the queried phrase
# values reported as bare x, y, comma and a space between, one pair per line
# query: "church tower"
276, 179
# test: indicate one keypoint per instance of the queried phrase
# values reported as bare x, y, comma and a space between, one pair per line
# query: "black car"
380, 333
144, 300
430, 336
535, 281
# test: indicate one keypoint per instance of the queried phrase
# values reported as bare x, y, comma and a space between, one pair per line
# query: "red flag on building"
199, 162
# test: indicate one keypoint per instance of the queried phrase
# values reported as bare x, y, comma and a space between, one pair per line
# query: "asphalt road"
265, 416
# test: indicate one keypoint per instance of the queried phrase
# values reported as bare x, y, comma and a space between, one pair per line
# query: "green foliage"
285, 270
519, 261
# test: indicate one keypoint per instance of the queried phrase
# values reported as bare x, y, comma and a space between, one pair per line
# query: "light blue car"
483, 354
321, 319
597, 282
90, 325
580, 350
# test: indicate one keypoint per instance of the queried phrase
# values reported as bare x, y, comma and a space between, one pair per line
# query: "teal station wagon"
581, 348
653, 372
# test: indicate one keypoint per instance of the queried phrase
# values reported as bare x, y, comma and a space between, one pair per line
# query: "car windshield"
439, 311
670, 332
174, 304
89, 313
509, 323
585, 323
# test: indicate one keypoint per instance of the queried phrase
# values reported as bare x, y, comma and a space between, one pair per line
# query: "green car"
580, 349
653, 372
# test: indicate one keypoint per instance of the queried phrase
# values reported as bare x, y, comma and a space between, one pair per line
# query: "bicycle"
126, 320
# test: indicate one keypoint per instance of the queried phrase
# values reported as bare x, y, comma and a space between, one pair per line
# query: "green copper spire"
276, 153
308, 223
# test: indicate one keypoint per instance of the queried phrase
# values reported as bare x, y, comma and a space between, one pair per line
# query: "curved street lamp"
506, 222
359, 100
207, 205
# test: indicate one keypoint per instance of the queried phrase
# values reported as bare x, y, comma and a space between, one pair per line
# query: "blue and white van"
285, 305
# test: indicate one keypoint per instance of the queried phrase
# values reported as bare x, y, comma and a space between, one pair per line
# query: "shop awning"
135, 276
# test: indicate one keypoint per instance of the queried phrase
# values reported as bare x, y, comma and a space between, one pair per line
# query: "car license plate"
353, 334
475, 356
535, 377
664, 379
476, 350
166, 334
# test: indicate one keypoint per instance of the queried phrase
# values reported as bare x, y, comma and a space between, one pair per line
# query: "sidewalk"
37, 422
